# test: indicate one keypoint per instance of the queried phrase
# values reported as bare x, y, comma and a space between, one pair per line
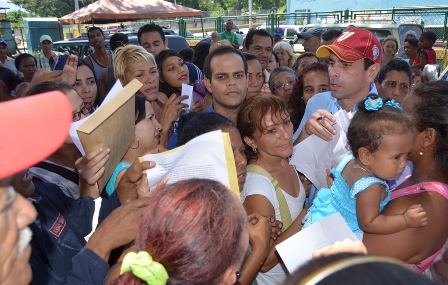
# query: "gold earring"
138, 143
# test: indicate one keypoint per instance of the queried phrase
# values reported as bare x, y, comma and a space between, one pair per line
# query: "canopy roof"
106, 11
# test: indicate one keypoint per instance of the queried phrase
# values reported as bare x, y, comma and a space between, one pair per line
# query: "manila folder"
112, 126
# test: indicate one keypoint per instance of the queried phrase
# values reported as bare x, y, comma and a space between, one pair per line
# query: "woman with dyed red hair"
193, 232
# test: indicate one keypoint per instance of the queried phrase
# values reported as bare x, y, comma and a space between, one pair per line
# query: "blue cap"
278, 31
313, 32
2, 41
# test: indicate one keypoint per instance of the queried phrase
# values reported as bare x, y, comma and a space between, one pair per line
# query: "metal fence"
433, 18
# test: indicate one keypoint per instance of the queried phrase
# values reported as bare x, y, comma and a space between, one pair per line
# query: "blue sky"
5, 4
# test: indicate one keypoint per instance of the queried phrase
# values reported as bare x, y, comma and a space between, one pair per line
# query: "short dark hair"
150, 28
187, 54
368, 127
397, 65
295, 66
430, 35
330, 34
218, 52
9, 78
118, 40
21, 57
412, 41
367, 63
250, 37
48, 86
94, 28
194, 124
375, 272
248, 56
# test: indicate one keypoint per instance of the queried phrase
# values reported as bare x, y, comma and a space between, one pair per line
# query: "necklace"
356, 165
107, 59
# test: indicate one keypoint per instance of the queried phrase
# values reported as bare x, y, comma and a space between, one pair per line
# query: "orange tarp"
103, 11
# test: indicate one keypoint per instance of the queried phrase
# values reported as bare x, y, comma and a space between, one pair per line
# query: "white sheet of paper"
202, 157
74, 135
298, 249
187, 90
314, 155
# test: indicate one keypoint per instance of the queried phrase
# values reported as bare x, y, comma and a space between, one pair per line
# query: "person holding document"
59, 168
272, 185
380, 137
132, 62
173, 72
146, 139
261, 229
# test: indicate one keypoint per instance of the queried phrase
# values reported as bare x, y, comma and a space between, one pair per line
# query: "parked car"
188, 33
82, 48
380, 29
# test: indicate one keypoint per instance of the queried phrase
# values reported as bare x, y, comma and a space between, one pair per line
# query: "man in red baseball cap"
354, 61
31, 129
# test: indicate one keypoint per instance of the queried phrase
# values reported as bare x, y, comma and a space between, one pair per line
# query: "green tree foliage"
212, 5
59, 8
49, 8
16, 16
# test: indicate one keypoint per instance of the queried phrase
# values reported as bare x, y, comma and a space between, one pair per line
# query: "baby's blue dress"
340, 198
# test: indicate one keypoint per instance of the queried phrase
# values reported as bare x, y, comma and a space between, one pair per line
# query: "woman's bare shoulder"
413, 244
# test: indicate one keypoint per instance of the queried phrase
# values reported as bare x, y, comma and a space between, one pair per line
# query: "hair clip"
373, 104
392, 103
144, 267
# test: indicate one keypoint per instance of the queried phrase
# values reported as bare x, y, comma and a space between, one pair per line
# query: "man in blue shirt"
354, 62
225, 70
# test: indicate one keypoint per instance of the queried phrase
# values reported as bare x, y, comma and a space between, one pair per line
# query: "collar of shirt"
355, 108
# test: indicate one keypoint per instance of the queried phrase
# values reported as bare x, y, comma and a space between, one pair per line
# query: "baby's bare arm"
372, 221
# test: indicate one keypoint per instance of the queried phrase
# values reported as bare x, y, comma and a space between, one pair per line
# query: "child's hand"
415, 216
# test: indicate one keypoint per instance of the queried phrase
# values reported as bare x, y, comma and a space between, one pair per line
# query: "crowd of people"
391, 187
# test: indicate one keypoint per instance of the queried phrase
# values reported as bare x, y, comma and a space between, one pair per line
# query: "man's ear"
372, 72
364, 155
166, 43
208, 85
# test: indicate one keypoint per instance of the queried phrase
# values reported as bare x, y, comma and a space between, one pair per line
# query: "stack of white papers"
208, 156
313, 156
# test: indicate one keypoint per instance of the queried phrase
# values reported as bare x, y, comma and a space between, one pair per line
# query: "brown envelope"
112, 126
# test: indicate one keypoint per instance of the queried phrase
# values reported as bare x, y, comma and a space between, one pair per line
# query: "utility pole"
250, 13
76, 9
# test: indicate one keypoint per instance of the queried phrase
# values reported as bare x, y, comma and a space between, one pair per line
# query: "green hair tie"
143, 267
